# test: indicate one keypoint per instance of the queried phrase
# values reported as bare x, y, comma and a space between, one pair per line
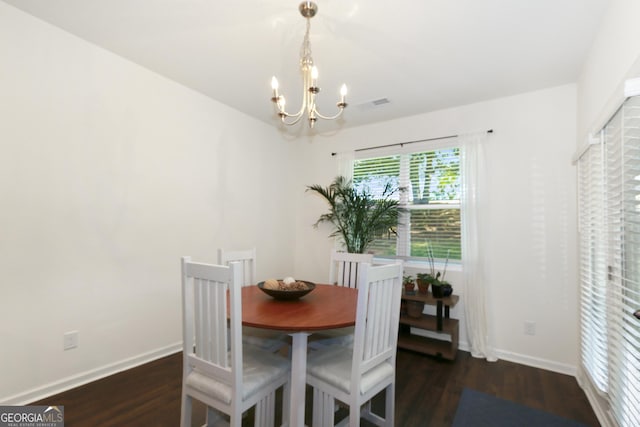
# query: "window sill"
421, 265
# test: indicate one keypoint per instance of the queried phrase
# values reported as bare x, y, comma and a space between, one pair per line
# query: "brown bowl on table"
296, 290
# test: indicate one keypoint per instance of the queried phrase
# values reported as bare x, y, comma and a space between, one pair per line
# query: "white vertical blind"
622, 142
593, 264
609, 197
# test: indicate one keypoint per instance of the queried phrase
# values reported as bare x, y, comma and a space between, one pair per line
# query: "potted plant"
447, 289
424, 280
357, 215
409, 285
413, 308
436, 289
439, 287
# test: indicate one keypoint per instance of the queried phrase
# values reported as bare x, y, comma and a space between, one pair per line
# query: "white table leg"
298, 378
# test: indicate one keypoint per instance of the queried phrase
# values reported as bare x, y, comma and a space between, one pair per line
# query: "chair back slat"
345, 268
247, 260
378, 312
210, 321
208, 344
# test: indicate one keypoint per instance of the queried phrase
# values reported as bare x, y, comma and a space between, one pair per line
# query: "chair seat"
259, 369
333, 366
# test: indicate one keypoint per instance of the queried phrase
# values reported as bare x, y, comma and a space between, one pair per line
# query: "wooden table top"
326, 307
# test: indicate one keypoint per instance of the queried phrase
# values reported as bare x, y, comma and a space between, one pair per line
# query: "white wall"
110, 173
613, 57
531, 224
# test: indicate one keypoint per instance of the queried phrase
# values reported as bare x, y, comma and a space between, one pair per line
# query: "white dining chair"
344, 270
357, 374
262, 338
218, 369
247, 260
344, 267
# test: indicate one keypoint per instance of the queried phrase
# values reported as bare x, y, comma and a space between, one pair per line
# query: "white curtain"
474, 283
345, 168
345, 163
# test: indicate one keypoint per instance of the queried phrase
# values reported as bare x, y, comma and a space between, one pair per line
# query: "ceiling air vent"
380, 101
373, 104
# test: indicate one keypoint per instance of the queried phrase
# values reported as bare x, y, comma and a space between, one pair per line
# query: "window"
430, 179
609, 221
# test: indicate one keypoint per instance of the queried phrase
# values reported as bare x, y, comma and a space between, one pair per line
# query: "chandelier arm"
291, 123
300, 112
296, 117
338, 114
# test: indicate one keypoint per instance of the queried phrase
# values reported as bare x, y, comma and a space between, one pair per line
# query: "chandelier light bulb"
343, 93
274, 83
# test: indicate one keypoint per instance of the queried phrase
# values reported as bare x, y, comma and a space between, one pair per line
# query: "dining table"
325, 307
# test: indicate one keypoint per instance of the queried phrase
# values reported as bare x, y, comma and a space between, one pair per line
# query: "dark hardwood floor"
427, 393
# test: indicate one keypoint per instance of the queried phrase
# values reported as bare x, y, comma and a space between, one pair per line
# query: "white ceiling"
422, 55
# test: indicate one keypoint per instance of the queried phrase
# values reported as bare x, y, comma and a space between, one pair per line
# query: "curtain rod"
409, 142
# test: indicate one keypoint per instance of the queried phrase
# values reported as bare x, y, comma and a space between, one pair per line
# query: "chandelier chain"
306, 59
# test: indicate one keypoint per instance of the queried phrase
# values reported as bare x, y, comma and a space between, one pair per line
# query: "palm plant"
357, 216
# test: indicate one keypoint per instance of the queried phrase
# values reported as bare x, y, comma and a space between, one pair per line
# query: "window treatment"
593, 262
474, 283
609, 227
345, 163
345, 168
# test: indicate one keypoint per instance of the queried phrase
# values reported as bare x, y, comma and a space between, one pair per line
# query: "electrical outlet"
529, 328
70, 340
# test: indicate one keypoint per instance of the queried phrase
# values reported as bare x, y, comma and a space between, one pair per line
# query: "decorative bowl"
294, 294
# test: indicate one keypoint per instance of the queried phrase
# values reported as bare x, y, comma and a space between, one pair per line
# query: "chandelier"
309, 81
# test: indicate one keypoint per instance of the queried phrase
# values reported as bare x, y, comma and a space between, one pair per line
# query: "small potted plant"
424, 280
437, 288
447, 289
409, 285
414, 309
442, 289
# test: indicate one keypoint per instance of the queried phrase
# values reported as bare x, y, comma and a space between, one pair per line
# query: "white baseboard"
104, 371
522, 359
82, 378
535, 362
598, 402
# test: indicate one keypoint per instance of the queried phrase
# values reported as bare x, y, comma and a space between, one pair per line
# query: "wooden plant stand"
440, 323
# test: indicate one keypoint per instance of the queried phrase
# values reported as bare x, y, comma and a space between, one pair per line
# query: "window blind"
609, 220
593, 264
431, 182
622, 143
